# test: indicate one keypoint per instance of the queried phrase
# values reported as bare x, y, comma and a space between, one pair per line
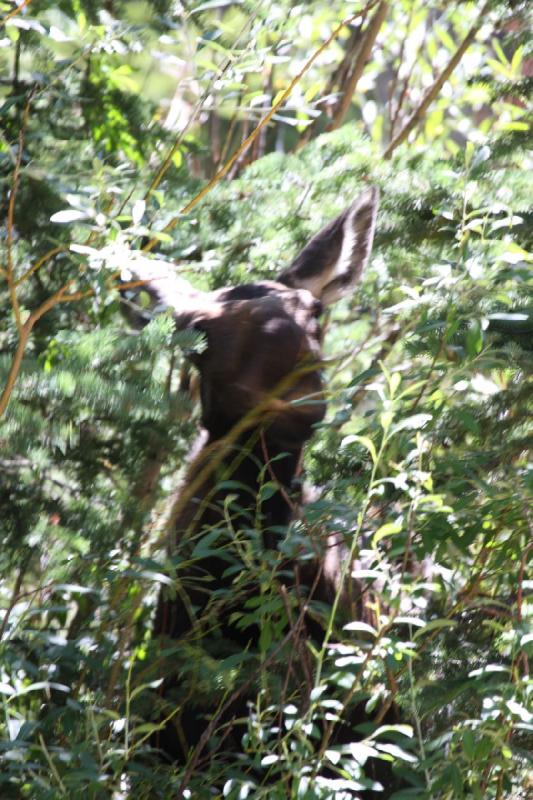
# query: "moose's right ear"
171, 291
332, 262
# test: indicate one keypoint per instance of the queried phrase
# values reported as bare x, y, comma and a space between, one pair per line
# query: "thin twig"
38, 264
522, 656
53, 768
11, 215
394, 82
15, 12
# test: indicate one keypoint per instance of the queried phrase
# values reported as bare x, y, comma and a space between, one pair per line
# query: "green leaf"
474, 338
415, 422
404, 730
397, 752
364, 627
361, 752
389, 529
69, 215
519, 711
333, 755
488, 670
143, 687
365, 441
468, 743
267, 490
434, 625
272, 758
499, 50
445, 38
417, 621
317, 692
516, 61
40, 685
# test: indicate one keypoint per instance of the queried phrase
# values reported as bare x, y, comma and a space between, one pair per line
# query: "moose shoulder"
262, 393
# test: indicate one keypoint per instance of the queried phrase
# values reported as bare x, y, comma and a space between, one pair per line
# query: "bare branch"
364, 51
38, 264
435, 88
394, 82
60, 296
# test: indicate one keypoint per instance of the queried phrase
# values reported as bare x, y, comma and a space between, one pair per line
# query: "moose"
262, 393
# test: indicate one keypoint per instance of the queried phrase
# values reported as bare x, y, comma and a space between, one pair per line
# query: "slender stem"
58, 297
15, 595
348, 561
416, 717
53, 768
395, 80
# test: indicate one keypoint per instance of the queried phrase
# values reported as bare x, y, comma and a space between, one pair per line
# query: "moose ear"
171, 291
332, 262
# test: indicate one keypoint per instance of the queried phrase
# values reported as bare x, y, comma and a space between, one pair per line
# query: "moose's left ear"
332, 262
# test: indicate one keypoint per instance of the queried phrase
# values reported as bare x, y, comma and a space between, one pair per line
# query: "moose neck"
256, 469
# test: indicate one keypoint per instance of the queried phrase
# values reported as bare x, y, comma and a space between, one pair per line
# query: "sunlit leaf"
69, 215
434, 625
364, 627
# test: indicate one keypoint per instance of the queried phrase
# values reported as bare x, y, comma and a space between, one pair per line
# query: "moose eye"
318, 309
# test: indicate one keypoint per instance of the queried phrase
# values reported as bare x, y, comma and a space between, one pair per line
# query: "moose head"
264, 339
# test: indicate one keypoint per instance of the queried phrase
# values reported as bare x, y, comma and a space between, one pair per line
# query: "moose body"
262, 393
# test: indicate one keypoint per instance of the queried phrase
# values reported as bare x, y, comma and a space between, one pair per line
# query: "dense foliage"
114, 117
